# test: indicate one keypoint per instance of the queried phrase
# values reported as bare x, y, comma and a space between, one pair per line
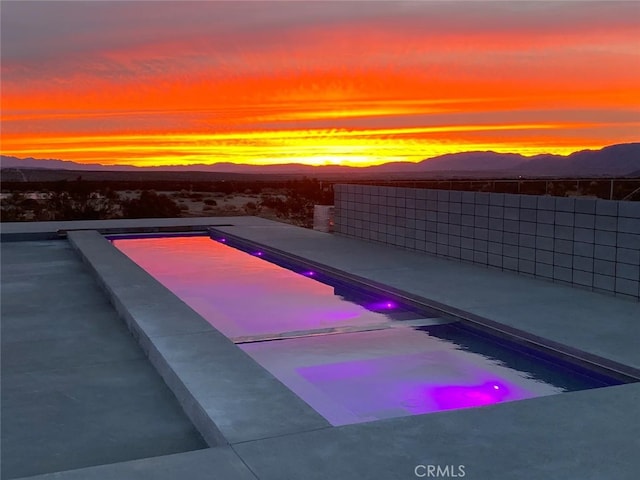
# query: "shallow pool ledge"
225, 393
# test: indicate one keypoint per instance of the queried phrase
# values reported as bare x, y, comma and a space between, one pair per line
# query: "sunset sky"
334, 82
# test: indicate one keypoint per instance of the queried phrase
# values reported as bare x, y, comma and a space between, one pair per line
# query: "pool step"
267, 337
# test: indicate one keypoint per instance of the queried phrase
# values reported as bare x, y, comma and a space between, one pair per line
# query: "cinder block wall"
587, 242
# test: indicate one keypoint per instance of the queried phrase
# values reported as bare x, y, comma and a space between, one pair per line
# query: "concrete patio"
76, 388
253, 425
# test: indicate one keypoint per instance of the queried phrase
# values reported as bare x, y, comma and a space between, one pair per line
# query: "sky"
153, 83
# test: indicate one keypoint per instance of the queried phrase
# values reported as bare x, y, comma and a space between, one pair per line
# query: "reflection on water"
240, 294
347, 377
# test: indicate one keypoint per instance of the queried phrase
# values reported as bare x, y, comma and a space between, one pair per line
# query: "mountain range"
614, 160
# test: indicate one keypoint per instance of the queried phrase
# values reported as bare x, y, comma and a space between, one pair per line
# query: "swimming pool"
350, 354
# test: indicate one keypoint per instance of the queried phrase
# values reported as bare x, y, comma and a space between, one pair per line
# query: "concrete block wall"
590, 243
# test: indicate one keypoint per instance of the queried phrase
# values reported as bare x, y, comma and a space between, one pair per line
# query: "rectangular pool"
351, 355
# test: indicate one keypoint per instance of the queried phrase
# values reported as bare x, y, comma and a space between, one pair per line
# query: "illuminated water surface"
351, 362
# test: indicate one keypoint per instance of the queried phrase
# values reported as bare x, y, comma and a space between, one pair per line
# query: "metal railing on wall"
610, 188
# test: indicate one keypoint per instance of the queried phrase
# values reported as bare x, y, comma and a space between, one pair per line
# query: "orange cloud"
287, 82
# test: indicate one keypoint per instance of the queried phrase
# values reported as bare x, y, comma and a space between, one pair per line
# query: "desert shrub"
251, 208
79, 202
150, 205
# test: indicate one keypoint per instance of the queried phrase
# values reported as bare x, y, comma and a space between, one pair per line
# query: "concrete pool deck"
271, 434
76, 388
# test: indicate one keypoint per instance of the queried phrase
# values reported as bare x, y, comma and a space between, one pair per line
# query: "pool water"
352, 357
244, 296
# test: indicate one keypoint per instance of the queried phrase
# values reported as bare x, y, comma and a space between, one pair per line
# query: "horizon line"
300, 164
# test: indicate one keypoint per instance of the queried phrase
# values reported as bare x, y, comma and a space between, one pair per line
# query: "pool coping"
180, 349
52, 230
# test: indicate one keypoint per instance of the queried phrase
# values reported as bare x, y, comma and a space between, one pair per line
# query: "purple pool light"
223, 240
451, 397
258, 254
309, 273
437, 378
381, 306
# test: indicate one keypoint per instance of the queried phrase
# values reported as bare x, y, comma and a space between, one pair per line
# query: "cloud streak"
81, 69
